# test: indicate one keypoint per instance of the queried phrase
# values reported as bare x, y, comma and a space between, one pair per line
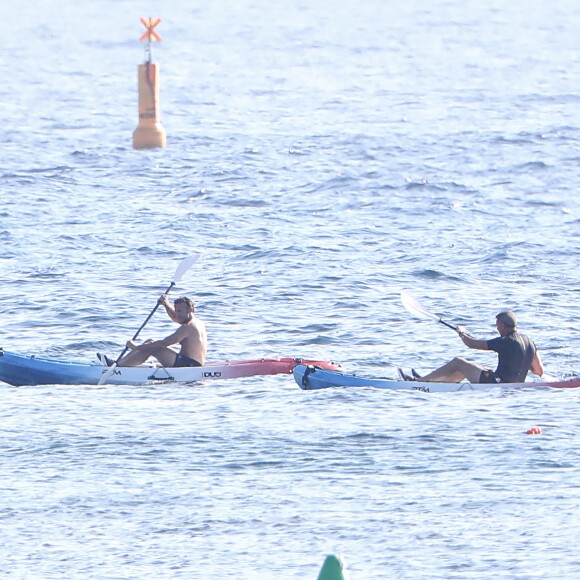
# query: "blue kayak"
310, 377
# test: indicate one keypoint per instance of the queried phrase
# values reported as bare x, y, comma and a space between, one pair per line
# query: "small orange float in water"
534, 431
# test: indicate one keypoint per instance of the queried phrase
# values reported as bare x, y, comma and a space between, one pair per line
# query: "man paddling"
191, 335
517, 355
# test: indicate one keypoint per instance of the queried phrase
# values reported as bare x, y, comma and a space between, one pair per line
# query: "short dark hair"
507, 317
185, 300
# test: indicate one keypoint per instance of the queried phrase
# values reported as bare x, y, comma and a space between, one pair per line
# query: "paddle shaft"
448, 325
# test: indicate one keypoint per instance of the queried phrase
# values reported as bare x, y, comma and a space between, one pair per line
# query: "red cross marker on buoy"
150, 35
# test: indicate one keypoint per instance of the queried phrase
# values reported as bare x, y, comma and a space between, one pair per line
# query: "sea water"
321, 157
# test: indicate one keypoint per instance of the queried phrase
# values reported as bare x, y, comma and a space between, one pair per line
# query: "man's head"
185, 300
507, 319
184, 309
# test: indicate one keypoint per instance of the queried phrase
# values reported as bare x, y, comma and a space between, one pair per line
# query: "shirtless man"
191, 335
517, 355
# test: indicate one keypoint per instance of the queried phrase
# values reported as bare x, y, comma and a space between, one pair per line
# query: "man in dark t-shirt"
517, 355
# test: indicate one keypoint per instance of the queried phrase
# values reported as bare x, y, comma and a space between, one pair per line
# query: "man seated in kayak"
517, 355
191, 335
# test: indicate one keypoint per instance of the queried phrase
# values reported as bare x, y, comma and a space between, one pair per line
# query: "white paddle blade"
184, 266
415, 308
105, 376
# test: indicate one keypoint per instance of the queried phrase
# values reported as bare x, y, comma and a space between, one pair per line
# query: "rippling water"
322, 157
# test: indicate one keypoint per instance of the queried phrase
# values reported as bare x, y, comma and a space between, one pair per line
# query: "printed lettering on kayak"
214, 375
424, 389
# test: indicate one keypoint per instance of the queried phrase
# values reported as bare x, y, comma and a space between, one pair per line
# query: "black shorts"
488, 377
185, 361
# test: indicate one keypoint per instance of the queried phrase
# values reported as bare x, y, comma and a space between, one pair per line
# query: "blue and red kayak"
20, 370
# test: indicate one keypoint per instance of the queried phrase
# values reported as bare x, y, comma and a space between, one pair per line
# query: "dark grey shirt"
516, 353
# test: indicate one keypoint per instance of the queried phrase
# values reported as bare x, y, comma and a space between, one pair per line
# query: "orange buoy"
534, 431
150, 133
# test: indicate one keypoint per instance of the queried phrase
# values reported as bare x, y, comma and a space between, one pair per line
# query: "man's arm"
471, 342
168, 307
151, 345
537, 367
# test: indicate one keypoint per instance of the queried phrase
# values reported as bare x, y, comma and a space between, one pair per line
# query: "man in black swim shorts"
185, 361
191, 336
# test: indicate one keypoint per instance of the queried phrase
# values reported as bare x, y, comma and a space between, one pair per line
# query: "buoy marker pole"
150, 133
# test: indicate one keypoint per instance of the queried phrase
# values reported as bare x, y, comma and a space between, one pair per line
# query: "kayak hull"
311, 378
21, 370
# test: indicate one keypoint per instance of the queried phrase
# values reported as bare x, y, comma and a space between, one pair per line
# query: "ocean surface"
322, 157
